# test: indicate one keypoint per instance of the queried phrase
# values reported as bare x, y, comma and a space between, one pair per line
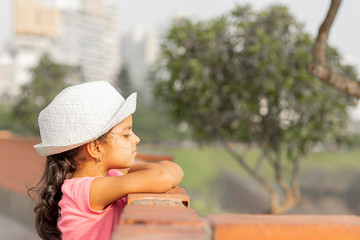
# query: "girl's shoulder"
78, 180
75, 185
111, 173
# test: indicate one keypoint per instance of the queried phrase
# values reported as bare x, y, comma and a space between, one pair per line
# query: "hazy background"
329, 177
157, 14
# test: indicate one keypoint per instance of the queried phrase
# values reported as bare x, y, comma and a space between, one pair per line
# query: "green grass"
332, 161
204, 164
199, 165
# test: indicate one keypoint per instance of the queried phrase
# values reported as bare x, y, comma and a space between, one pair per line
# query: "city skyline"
83, 36
157, 14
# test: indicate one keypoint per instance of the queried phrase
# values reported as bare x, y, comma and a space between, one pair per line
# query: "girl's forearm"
175, 170
142, 166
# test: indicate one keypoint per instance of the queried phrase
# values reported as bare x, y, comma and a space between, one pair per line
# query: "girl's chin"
131, 161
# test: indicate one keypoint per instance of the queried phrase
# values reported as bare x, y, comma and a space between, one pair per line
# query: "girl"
86, 133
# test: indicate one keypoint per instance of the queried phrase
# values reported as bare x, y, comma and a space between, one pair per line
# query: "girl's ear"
94, 149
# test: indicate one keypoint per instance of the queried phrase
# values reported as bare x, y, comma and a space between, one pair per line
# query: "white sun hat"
80, 114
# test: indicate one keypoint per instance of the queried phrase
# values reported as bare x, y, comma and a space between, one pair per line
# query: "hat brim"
125, 110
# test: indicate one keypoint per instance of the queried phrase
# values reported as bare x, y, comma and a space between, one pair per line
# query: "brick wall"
169, 216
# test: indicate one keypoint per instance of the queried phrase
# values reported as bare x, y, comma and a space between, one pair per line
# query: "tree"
242, 77
320, 68
48, 79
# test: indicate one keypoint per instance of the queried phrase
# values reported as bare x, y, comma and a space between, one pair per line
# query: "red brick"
6, 134
176, 190
160, 215
17, 152
154, 157
21, 165
283, 227
175, 196
156, 232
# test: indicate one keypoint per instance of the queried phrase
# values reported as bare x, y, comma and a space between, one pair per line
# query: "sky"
156, 14
344, 35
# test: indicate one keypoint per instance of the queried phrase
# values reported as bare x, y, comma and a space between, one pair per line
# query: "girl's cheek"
123, 145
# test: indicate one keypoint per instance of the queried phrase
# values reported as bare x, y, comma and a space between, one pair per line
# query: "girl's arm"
150, 178
172, 167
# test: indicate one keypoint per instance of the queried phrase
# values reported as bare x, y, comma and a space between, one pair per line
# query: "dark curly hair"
58, 168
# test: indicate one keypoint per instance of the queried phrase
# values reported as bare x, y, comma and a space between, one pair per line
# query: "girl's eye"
127, 135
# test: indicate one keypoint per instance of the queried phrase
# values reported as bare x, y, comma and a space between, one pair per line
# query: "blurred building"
7, 71
139, 49
79, 33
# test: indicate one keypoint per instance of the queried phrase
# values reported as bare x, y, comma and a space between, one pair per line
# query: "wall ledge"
175, 196
168, 216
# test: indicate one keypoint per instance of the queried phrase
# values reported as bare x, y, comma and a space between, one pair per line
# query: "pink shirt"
78, 221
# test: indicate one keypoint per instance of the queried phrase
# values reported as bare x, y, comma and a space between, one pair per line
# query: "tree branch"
295, 179
281, 182
246, 167
319, 67
324, 29
274, 199
259, 163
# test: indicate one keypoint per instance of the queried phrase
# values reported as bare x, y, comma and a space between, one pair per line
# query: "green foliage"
243, 77
153, 125
48, 79
123, 81
151, 121
6, 120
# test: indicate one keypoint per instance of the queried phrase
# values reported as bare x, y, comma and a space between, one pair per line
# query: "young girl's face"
120, 149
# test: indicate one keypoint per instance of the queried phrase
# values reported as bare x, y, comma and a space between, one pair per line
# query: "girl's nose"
136, 139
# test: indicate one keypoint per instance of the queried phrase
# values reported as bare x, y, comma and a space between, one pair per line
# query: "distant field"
203, 164
333, 161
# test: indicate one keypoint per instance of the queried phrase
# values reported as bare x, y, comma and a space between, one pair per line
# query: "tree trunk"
319, 68
292, 198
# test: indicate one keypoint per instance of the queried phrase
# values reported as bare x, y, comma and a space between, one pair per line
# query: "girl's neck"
87, 166
89, 170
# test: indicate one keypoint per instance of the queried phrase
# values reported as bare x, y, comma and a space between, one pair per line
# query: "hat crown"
79, 112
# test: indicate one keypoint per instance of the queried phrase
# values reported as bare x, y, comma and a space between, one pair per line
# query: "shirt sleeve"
114, 173
81, 192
